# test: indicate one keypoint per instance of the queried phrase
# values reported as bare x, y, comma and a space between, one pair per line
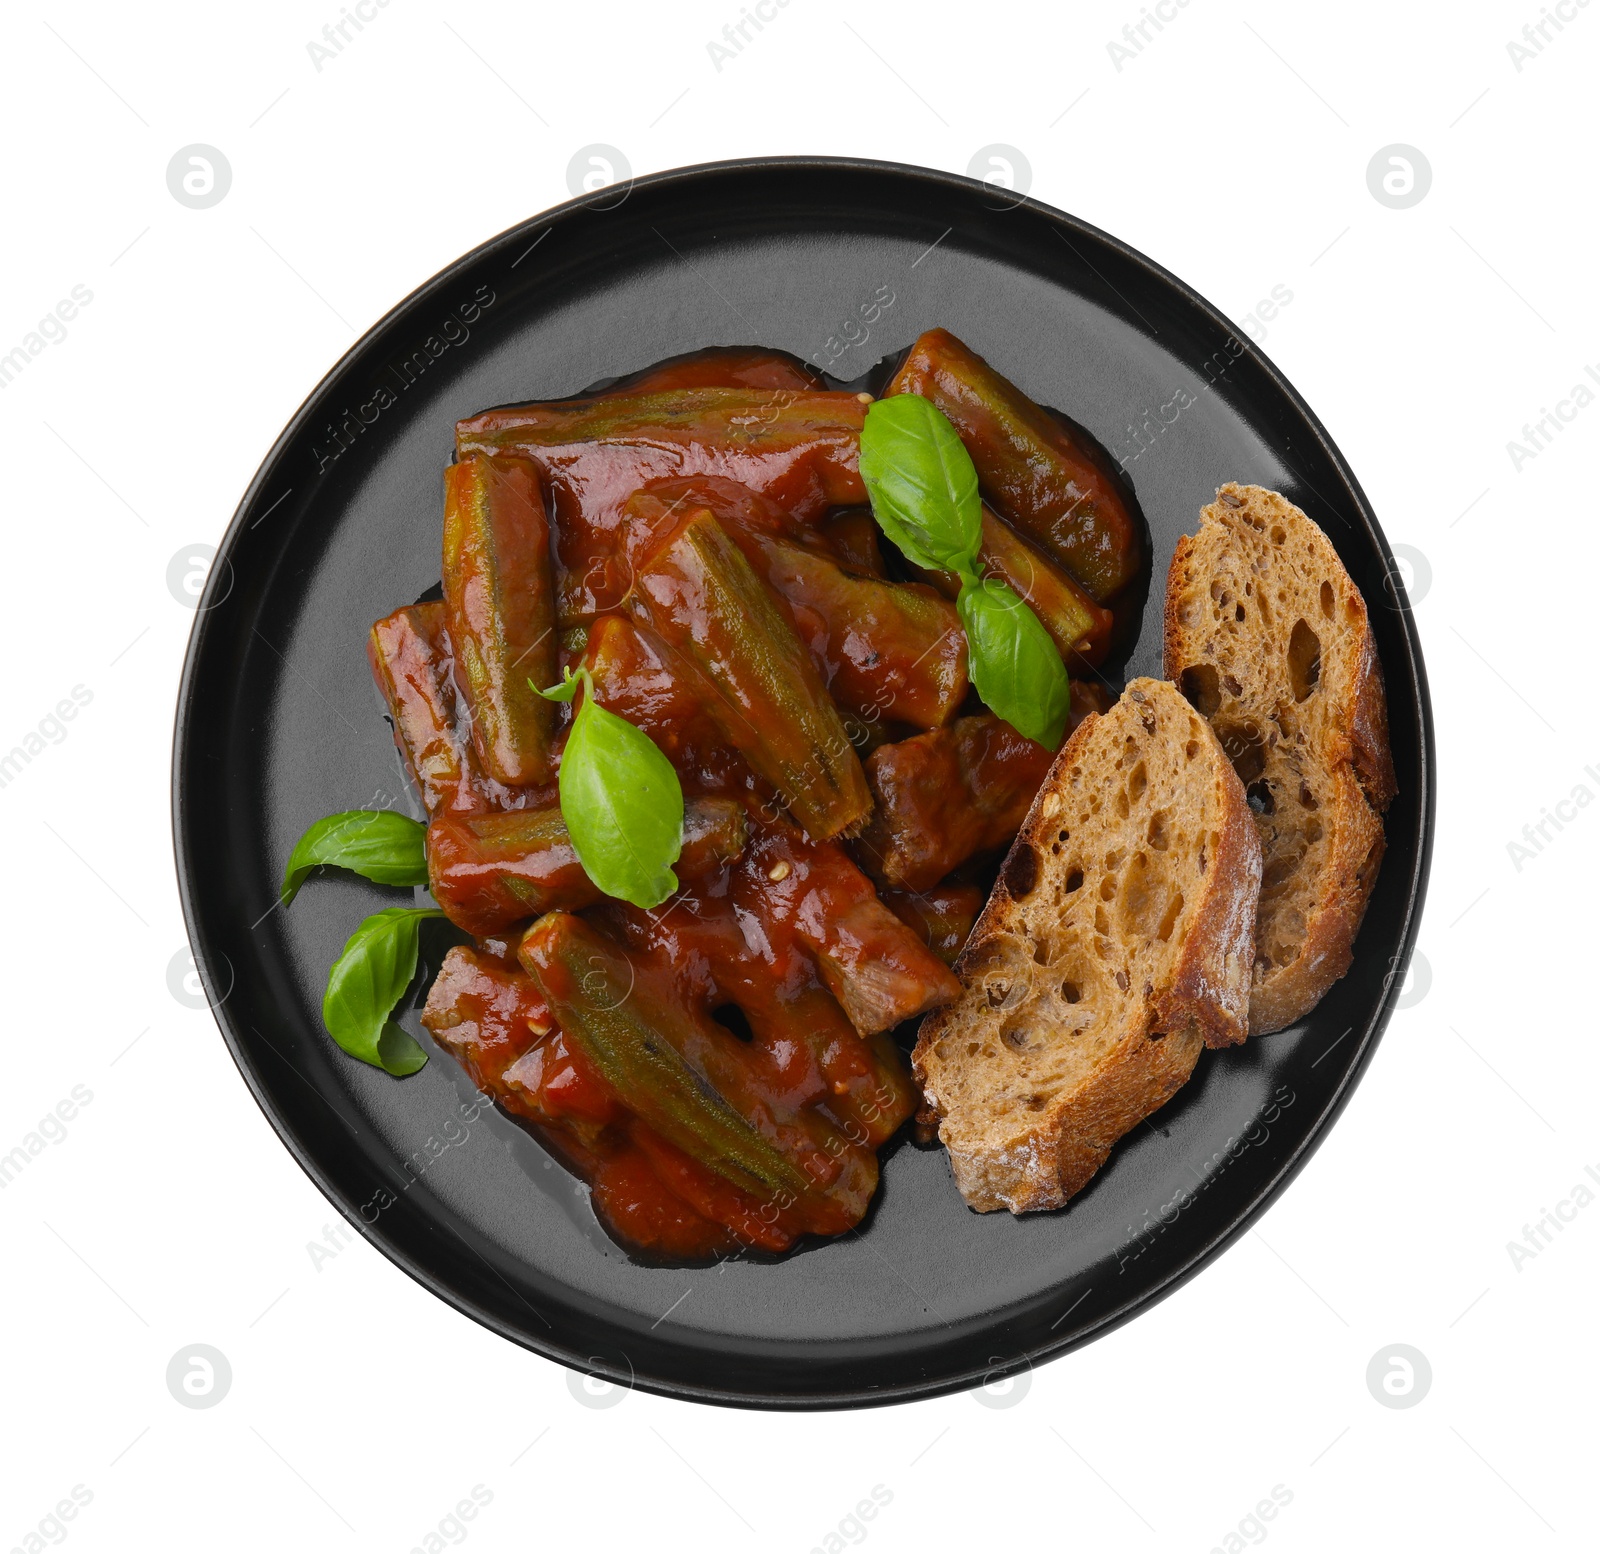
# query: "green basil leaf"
378, 843
622, 803
366, 982
920, 479
1013, 663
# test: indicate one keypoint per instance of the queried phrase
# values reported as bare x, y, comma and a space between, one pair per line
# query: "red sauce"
789, 968
494, 1021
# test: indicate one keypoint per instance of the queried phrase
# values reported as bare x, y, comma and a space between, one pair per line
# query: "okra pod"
892, 650
723, 955
489, 871
1080, 628
798, 448
886, 651
702, 598
639, 678
689, 1081
410, 657
1039, 475
946, 796
495, 1022
500, 595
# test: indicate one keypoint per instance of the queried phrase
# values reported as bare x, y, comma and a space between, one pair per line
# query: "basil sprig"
378, 843
367, 981
380, 958
924, 492
620, 798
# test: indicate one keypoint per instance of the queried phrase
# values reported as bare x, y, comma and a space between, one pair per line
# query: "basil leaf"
1012, 661
378, 843
920, 479
366, 982
924, 494
621, 801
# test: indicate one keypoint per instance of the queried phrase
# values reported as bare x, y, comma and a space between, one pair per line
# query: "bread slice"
1116, 944
1268, 637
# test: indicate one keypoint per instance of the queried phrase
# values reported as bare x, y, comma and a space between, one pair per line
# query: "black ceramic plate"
278, 723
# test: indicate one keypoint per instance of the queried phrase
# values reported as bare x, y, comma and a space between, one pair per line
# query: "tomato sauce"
776, 974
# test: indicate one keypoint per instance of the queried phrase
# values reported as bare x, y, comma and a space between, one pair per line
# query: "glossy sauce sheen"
798, 448
500, 610
1040, 476
411, 661
719, 1069
492, 871
798, 1066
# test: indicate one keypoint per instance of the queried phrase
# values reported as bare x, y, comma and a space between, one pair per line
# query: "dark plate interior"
278, 723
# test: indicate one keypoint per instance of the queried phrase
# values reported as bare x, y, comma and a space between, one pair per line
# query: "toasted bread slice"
1268, 637
1116, 944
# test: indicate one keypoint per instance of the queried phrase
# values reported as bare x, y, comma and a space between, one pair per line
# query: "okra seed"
779, 871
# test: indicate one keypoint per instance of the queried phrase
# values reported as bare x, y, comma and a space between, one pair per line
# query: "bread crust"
1207, 987
1155, 1034
1370, 752
1077, 1135
1148, 1068
1353, 764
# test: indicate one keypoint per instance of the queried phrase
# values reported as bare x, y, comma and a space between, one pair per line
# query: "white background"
1232, 148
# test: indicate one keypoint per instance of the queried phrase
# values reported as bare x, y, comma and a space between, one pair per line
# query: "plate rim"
1416, 686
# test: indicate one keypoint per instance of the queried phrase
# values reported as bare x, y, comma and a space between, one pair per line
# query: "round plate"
278, 723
